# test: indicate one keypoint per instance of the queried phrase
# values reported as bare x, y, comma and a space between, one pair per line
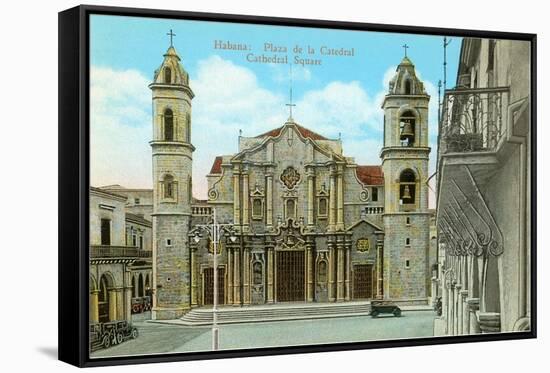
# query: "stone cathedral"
311, 225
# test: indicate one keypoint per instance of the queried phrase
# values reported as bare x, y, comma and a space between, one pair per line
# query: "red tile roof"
370, 175
217, 166
303, 131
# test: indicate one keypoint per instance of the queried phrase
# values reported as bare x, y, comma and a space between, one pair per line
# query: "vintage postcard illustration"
267, 186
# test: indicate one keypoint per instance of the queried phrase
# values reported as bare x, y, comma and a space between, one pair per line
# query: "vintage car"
141, 304
104, 335
384, 306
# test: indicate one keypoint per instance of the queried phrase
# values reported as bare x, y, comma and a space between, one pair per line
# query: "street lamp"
215, 231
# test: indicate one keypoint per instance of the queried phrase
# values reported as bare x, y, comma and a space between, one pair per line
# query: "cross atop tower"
290, 104
405, 46
171, 34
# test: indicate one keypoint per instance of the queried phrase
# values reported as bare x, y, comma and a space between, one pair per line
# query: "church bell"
406, 193
407, 131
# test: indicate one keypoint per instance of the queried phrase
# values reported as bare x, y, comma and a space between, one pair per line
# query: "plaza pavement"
166, 338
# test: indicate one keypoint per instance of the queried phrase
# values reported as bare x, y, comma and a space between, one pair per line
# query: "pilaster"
269, 200
236, 196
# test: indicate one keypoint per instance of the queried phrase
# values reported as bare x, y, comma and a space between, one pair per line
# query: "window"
141, 242
407, 264
374, 194
134, 240
257, 208
168, 125
407, 241
290, 209
169, 187
136, 201
167, 75
105, 231
407, 126
168, 242
188, 128
407, 187
408, 221
323, 206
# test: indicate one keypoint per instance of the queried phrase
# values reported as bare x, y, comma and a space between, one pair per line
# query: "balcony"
472, 120
105, 251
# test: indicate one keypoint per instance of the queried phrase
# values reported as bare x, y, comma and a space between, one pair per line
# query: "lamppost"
215, 231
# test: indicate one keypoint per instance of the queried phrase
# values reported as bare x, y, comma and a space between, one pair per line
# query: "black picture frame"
74, 184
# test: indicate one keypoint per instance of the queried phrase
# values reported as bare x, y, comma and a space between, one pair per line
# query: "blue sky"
341, 95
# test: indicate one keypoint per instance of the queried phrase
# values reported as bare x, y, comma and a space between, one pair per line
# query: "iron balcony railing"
472, 120
105, 251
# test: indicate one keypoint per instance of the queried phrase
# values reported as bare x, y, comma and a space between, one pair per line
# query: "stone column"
246, 276
445, 303
236, 277
340, 200
128, 303
340, 270
331, 269
270, 258
194, 297
434, 291
94, 306
269, 200
332, 202
246, 197
230, 275
489, 322
347, 269
309, 271
458, 318
236, 196
112, 305
473, 306
465, 312
452, 315
310, 198
120, 303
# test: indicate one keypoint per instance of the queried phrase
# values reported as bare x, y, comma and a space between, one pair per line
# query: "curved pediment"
290, 137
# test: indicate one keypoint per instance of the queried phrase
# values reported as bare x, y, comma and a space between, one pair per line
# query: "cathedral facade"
310, 224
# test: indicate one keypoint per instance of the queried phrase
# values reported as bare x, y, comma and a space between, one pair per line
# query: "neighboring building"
484, 174
139, 201
120, 258
311, 224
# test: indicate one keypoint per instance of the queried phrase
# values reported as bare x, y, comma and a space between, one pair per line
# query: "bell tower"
405, 158
172, 153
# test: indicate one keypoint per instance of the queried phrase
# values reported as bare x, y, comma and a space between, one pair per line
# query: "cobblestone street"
162, 338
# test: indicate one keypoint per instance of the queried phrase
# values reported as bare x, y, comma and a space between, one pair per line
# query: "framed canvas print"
235, 185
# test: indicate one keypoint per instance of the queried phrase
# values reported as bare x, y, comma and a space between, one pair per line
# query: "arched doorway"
140, 286
105, 301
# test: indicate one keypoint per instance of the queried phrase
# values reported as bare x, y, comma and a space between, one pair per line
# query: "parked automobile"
104, 335
141, 304
384, 306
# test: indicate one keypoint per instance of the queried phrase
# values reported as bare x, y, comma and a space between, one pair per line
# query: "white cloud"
228, 97
120, 128
339, 107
